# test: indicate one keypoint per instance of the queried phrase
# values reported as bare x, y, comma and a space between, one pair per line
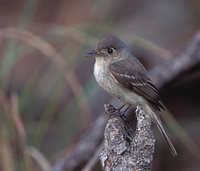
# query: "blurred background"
48, 95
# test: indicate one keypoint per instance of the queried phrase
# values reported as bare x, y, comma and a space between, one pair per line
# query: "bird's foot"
111, 111
123, 112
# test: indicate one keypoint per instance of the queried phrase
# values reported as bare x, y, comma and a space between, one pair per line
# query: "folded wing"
126, 73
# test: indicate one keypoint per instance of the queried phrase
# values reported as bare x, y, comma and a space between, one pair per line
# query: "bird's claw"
112, 112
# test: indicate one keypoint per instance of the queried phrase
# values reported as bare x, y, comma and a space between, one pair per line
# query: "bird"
124, 77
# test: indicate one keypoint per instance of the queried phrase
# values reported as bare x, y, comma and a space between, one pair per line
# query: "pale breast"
107, 82
104, 79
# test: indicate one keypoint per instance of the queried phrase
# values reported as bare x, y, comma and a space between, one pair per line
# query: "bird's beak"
93, 53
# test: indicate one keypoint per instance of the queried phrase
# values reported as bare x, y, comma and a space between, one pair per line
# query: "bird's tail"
155, 118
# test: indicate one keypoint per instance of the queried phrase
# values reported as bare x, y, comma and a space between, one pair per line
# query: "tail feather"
159, 124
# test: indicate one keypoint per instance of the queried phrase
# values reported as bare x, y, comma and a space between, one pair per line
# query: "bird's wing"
126, 73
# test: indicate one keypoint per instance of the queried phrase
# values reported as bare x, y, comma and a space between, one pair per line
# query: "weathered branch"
121, 152
179, 64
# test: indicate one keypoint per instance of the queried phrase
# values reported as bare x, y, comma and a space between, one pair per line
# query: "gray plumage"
119, 73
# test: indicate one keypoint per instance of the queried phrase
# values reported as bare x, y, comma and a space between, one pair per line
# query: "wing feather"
126, 73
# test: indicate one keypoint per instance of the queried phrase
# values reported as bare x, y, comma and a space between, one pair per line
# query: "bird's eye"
110, 50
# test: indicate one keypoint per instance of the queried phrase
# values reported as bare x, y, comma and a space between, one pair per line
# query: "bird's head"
110, 48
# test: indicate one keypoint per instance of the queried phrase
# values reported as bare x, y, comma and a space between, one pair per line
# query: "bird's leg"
113, 111
120, 112
117, 112
123, 112
126, 109
119, 109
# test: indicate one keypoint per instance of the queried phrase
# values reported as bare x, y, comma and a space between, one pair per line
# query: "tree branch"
179, 64
121, 152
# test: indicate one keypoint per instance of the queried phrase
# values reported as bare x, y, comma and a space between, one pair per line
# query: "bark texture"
121, 152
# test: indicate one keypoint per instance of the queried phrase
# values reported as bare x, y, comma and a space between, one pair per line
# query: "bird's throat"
100, 61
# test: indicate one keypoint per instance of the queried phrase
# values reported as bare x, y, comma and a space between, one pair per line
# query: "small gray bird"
121, 74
